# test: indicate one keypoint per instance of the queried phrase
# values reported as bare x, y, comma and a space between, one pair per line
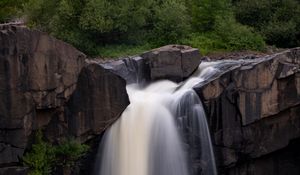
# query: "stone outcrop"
101, 95
38, 74
173, 62
98, 101
253, 108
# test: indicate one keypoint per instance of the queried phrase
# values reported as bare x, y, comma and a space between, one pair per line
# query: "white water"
146, 139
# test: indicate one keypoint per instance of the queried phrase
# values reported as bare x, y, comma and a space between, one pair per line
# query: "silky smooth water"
147, 139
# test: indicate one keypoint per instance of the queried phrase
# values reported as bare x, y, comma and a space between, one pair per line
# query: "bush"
204, 13
44, 157
227, 35
10, 9
68, 152
93, 23
277, 21
171, 23
116, 51
237, 36
41, 157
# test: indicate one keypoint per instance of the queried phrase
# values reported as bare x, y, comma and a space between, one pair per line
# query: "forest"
113, 28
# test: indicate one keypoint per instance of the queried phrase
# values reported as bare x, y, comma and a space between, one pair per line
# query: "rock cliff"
253, 105
38, 74
253, 108
49, 85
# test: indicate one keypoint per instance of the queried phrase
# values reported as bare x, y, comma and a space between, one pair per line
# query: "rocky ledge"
253, 108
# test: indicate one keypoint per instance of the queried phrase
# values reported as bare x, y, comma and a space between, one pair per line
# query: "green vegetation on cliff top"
112, 28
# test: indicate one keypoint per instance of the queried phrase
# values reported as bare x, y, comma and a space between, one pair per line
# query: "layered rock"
38, 74
253, 109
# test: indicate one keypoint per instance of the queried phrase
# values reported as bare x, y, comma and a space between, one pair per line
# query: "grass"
117, 51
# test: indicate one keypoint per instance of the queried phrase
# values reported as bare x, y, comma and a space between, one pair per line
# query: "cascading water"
146, 140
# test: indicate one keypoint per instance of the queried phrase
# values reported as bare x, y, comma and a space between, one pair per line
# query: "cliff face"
48, 84
38, 74
253, 109
253, 106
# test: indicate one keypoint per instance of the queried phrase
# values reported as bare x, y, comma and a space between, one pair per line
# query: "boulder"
99, 99
173, 62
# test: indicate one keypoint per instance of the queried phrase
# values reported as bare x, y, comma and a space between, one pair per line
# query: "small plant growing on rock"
69, 151
44, 157
41, 158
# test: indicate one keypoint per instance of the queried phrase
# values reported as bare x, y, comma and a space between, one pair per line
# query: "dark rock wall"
253, 108
48, 84
281, 162
38, 74
98, 101
253, 111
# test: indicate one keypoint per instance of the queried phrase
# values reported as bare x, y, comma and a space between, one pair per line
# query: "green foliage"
205, 42
228, 35
204, 13
92, 24
44, 157
172, 23
41, 158
115, 51
236, 36
278, 21
68, 152
111, 28
10, 9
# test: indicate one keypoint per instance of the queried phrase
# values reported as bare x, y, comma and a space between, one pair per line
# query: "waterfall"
148, 137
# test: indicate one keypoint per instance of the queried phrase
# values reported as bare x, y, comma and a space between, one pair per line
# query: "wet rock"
132, 69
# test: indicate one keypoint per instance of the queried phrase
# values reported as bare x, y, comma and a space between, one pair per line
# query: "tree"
204, 13
92, 23
10, 9
171, 22
278, 21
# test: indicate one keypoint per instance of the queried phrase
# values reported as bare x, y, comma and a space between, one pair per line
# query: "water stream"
149, 138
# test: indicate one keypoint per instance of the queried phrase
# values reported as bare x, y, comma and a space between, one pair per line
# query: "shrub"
10, 9
204, 13
41, 157
171, 23
237, 36
93, 23
44, 157
68, 152
227, 35
277, 21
